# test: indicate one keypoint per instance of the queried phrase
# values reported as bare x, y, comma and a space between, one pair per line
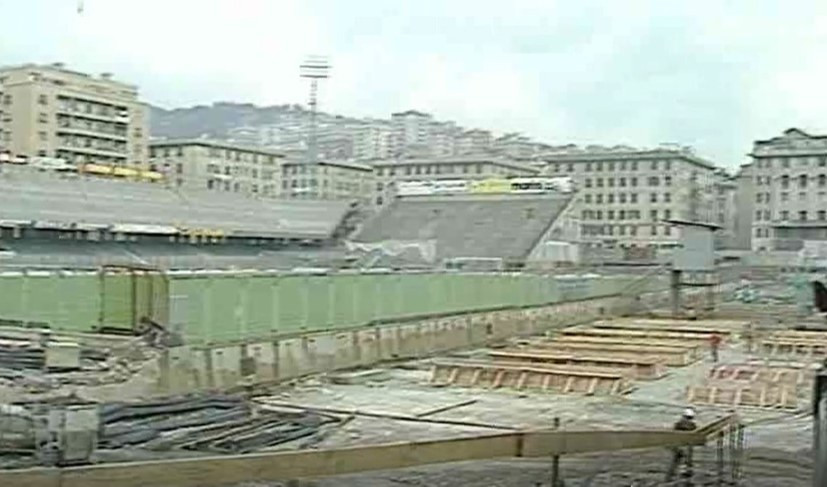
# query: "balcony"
79, 149
91, 133
115, 117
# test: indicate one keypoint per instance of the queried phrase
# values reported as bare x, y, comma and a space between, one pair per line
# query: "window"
599, 199
653, 198
785, 182
667, 230
43, 99
610, 215
654, 165
570, 167
667, 214
621, 215
785, 163
599, 214
653, 215
766, 216
611, 167
633, 230
654, 230
822, 161
610, 182
759, 197
610, 198
802, 181
43, 136
588, 167
667, 180
599, 182
622, 182
653, 181
667, 197
599, 166
822, 215
633, 182
802, 215
758, 215
634, 165
42, 117
822, 181
588, 198
588, 182
785, 196
667, 166
622, 197
632, 197
785, 215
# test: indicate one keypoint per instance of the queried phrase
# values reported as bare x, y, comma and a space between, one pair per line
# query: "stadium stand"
31, 196
455, 227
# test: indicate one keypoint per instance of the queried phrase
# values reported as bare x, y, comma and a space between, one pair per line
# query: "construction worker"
714, 345
679, 455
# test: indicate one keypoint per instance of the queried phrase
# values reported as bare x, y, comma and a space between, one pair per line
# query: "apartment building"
789, 180
49, 110
328, 180
627, 195
472, 166
217, 166
373, 139
471, 141
724, 209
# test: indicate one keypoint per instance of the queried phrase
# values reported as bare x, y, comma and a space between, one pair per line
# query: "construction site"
139, 374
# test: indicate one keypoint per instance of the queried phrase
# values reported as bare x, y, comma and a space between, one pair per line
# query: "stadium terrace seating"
27, 195
506, 227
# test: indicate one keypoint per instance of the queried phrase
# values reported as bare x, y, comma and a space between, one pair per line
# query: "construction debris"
643, 368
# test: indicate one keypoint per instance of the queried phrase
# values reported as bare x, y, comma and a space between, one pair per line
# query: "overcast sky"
709, 73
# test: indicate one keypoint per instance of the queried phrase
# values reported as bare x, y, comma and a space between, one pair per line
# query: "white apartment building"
628, 195
788, 178
328, 180
217, 166
411, 131
472, 166
471, 141
51, 111
374, 139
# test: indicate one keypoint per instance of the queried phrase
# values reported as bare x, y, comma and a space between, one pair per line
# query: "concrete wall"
187, 369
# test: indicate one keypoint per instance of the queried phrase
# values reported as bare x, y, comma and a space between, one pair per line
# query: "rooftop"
213, 143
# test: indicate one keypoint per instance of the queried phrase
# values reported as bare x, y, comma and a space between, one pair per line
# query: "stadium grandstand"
56, 219
452, 225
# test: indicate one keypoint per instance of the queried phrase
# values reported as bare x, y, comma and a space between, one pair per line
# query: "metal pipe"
555, 461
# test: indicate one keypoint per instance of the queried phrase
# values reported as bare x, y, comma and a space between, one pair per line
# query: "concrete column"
675, 288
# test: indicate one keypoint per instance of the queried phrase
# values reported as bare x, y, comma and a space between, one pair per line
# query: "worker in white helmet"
679, 455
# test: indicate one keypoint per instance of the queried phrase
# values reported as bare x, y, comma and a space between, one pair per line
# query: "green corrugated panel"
224, 311
417, 299
319, 295
191, 294
344, 289
366, 299
117, 301
80, 302
11, 298
292, 296
260, 319
41, 299
388, 296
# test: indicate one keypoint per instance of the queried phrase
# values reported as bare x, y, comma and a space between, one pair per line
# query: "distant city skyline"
710, 75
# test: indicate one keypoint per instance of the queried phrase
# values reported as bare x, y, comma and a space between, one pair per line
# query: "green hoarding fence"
210, 307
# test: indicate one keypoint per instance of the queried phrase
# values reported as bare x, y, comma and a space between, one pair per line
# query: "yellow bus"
491, 186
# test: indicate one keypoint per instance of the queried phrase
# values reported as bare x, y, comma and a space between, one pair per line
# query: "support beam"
269, 467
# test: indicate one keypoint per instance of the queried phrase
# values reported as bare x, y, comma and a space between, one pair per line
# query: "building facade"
51, 111
789, 177
473, 166
216, 166
328, 180
628, 195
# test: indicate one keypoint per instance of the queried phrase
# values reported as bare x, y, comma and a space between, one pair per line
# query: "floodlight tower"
314, 68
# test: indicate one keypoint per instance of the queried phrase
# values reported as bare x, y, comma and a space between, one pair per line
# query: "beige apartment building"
788, 184
328, 180
217, 166
471, 166
51, 111
627, 195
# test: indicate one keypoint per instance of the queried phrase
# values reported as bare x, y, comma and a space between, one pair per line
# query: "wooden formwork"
673, 356
766, 374
694, 348
805, 349
642, 368
723, 328
695, 338
469, 373
736, 393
